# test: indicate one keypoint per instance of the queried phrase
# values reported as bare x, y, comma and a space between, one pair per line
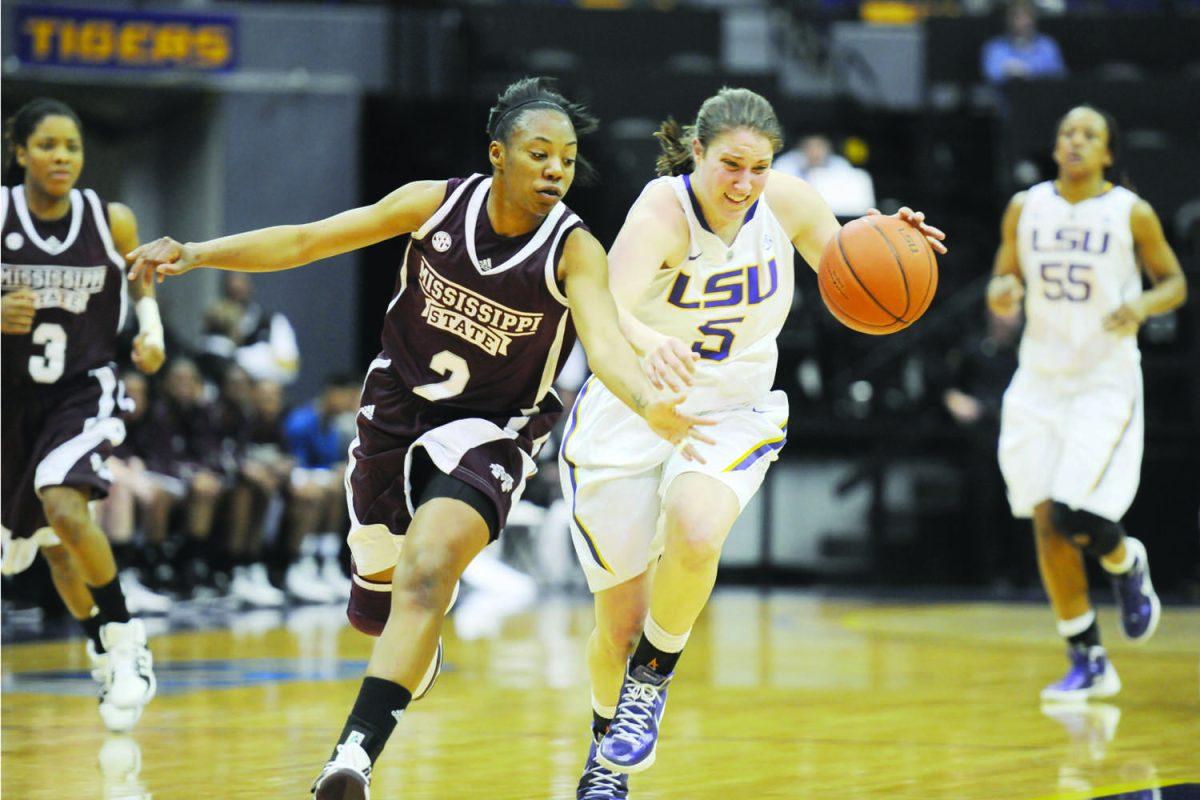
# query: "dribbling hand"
665, 419
670, 365
160, 258
18, 309
934, 236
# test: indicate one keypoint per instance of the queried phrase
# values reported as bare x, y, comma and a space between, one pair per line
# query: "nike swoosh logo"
693, 258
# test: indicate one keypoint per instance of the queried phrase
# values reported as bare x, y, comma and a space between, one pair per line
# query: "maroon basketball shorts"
402, 442
58, 435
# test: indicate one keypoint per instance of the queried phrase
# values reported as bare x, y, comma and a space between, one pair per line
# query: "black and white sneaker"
131, 682
346, 777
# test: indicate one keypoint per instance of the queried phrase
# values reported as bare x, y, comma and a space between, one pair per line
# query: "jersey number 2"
48, 367
457, 374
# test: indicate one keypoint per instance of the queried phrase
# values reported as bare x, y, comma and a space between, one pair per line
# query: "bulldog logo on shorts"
501, 474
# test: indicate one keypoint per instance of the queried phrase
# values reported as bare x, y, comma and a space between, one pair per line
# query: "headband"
519, 106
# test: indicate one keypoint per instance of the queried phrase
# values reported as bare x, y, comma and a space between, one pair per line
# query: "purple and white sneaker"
1091, 675
1139, 604
600, 783
631, 740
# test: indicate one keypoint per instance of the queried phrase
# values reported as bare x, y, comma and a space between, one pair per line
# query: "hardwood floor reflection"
780, 696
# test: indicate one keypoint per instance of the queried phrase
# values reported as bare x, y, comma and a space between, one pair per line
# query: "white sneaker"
139, 598
118, 720
331, 576
303, 582
346, 777
131, 666
251, 586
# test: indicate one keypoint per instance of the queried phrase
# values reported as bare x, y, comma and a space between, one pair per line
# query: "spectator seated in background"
318, 435
1022, 53
182, 444
848, 190
255, 486
238, 330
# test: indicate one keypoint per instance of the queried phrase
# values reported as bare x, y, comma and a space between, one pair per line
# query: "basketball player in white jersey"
64, 303
1072, 420
702, 273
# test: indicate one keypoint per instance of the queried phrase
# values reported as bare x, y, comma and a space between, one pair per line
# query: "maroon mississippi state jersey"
479, 321
79, 279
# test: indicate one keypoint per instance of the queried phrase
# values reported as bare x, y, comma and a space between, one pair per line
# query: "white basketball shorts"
1076, 438
615, 473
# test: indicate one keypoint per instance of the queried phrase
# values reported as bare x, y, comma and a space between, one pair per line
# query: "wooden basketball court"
779, 696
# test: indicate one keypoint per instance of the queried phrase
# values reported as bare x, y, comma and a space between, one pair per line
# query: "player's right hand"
665, 419
1004, 295
160, 258
670, 365
18, 309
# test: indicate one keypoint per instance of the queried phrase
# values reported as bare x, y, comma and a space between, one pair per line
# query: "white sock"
1073, 627
666, 642
1126, 564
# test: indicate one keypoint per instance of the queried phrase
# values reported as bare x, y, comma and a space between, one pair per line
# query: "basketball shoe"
1139, 604
600, 783
117, 720
631, 740
347, 776
1091, 675
131, 682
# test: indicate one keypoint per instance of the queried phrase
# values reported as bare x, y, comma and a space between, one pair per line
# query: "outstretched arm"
585, 271
289, 246
149, 348
1161, 264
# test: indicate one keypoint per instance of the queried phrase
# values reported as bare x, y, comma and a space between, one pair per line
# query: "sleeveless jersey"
728, 302
479, 321
79, 279
1078, 264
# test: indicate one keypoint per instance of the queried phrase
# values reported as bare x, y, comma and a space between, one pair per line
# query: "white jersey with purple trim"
728, 302
1078, 263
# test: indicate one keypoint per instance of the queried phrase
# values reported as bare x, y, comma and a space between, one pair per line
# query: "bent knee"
426, 583
68, 515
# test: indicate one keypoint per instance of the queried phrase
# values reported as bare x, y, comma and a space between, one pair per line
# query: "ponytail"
676, 143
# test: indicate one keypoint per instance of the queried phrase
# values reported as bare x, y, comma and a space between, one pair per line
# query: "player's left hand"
148, 353
1125, 321
933, 235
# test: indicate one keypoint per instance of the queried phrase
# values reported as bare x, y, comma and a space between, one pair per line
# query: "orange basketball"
878, 275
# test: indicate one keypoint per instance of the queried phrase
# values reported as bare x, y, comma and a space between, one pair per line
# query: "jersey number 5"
723, 334
1063, 281
48, 367
457, 374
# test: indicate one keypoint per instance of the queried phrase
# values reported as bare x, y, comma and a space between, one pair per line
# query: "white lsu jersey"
728, 302
1079, 265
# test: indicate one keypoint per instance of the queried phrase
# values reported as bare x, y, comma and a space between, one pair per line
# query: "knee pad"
1090, 532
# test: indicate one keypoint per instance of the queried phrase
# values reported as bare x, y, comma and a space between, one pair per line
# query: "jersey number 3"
457, 374
48, 367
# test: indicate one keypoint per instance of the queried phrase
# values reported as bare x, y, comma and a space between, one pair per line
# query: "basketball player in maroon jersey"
497, 276
64, 302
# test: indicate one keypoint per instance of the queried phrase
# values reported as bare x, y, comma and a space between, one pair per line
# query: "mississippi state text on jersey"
479, 321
